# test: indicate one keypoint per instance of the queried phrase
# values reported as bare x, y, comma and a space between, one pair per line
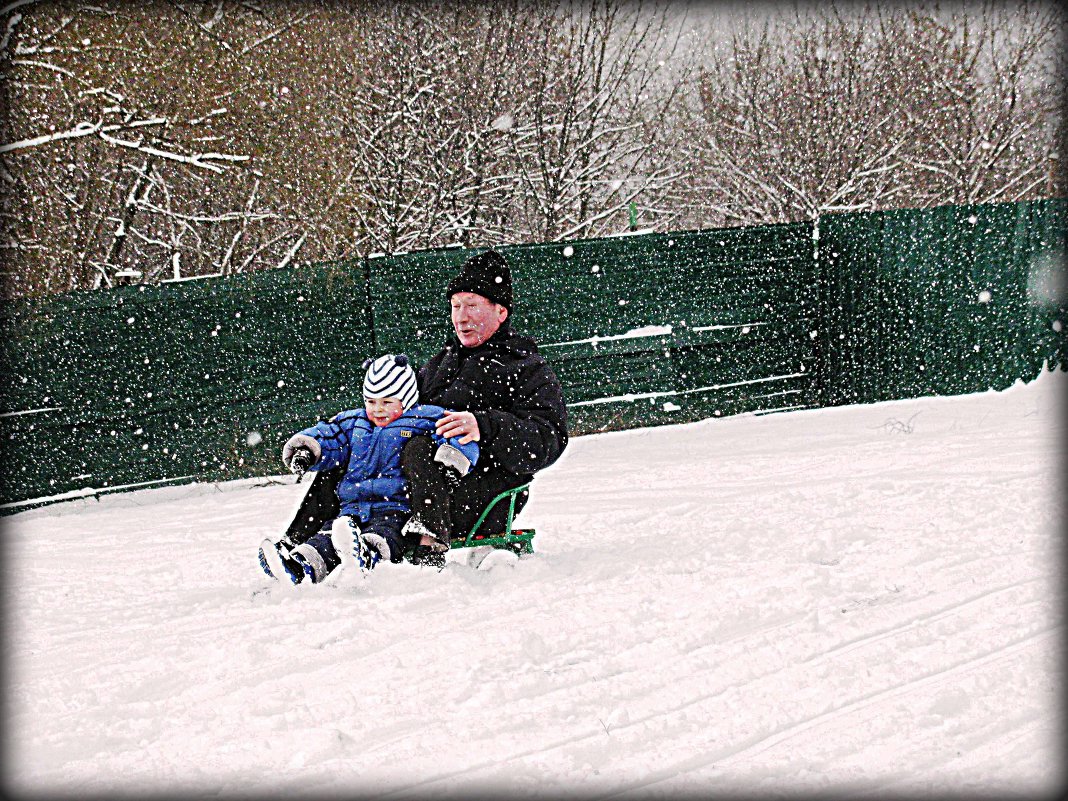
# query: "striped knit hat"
391, 376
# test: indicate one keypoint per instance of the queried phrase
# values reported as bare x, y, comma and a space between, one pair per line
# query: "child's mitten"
454, 464
300, 453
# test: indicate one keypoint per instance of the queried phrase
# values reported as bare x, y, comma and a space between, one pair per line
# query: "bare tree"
539, 123
438, 98
799, 120
836, 107
181, 138
81, 181
171, 138
985, 91
588, 139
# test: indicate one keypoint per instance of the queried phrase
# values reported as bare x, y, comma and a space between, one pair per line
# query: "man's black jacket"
513, 393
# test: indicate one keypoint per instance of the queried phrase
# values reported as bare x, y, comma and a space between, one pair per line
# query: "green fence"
195, 379
207, 378
941, 301
643, 329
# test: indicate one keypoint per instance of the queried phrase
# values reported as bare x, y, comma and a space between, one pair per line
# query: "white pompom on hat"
391, 376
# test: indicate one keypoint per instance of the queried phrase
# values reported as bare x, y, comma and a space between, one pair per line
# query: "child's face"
383, 411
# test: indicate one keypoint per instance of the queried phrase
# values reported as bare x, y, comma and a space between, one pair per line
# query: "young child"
373, 493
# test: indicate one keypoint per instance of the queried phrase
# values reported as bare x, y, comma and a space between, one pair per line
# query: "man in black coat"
500, 392
503, 395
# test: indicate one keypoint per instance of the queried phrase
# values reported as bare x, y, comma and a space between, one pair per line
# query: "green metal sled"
518, 541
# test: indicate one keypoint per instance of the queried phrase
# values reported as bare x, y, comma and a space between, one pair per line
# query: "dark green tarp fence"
205, 379
193, 379
635, 324
941, 301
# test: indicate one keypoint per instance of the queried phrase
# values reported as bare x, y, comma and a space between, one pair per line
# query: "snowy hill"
861, 599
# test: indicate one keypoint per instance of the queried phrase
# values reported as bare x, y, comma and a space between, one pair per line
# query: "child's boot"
343, 535
276, 559
317, 557
367, 549
354, 545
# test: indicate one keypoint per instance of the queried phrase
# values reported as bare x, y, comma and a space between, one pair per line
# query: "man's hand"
459, 424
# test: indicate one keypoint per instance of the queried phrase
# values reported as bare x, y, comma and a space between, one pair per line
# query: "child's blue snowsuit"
373, 489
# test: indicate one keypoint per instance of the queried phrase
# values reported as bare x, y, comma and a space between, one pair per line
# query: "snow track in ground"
811, 601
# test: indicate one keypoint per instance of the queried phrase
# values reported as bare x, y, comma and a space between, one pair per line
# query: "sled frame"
518, 541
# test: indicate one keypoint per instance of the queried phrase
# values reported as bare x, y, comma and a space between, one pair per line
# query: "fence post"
369, 303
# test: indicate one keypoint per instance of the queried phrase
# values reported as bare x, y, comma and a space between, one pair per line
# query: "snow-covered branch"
274, 34
79, 130
202, 160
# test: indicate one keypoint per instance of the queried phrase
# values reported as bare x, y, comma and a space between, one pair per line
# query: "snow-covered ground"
862, 599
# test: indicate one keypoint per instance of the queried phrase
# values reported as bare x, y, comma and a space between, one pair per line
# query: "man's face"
475, 318
383, 411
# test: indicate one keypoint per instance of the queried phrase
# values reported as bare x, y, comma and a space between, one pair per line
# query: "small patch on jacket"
406, 433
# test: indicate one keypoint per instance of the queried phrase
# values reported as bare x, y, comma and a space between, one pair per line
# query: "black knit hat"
485, 274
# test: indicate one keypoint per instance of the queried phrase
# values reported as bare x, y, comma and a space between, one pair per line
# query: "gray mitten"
454, 464
300, 453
